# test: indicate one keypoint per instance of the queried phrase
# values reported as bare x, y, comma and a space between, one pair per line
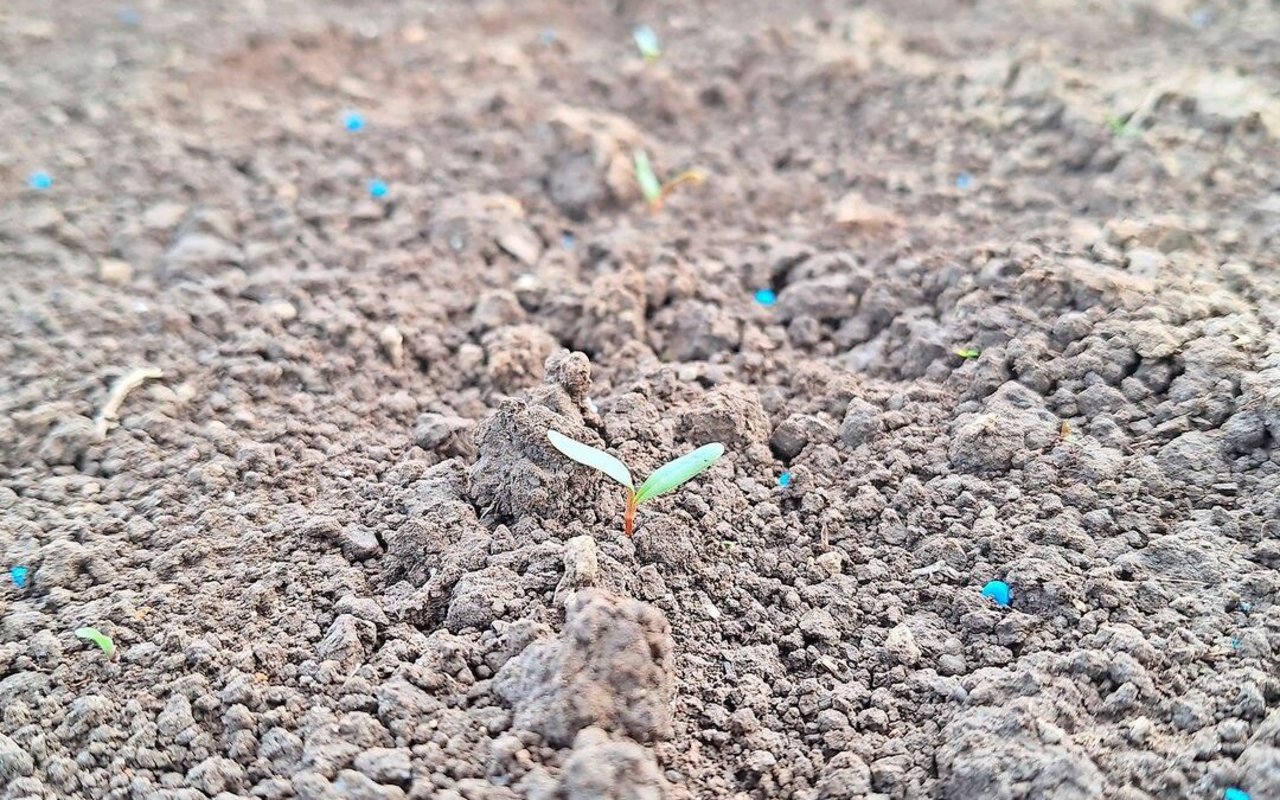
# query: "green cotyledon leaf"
675, 473
591, 457
645, 176
99, 638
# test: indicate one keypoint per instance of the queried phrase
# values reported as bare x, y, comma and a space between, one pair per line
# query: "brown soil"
339, 558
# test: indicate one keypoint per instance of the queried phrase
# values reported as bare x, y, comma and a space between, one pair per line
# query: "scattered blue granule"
19, 576
40, 180
766, 297
1235, 794
784, 480
963, 181
998, 591
377, 189
353, 121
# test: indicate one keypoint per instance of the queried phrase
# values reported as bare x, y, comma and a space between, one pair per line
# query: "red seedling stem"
694, 176
629, 521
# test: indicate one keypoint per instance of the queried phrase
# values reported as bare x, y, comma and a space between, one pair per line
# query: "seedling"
666, 478
100, 639
967, 352
1121, 127
647, 42
654, 190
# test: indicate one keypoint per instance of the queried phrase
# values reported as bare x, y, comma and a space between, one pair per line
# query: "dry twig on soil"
119, 391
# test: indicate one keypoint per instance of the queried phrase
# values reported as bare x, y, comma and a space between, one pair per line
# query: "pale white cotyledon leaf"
591, 457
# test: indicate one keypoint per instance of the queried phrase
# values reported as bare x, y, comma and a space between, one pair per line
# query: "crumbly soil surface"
1026, 329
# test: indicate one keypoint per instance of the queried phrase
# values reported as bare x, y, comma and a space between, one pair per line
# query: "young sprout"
667, 478
967, 352
649, 183
100, 639
1121, 127
647, 43
655, 191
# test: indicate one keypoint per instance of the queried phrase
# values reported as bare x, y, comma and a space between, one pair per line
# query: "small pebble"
1246, 606
392, 342
353, 121
784, 480
40, 180
377, 189
831, 562
1235, 793
114, 271
1235, 642
19, 576
766, 297
998, 591
963, 181
282, 310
